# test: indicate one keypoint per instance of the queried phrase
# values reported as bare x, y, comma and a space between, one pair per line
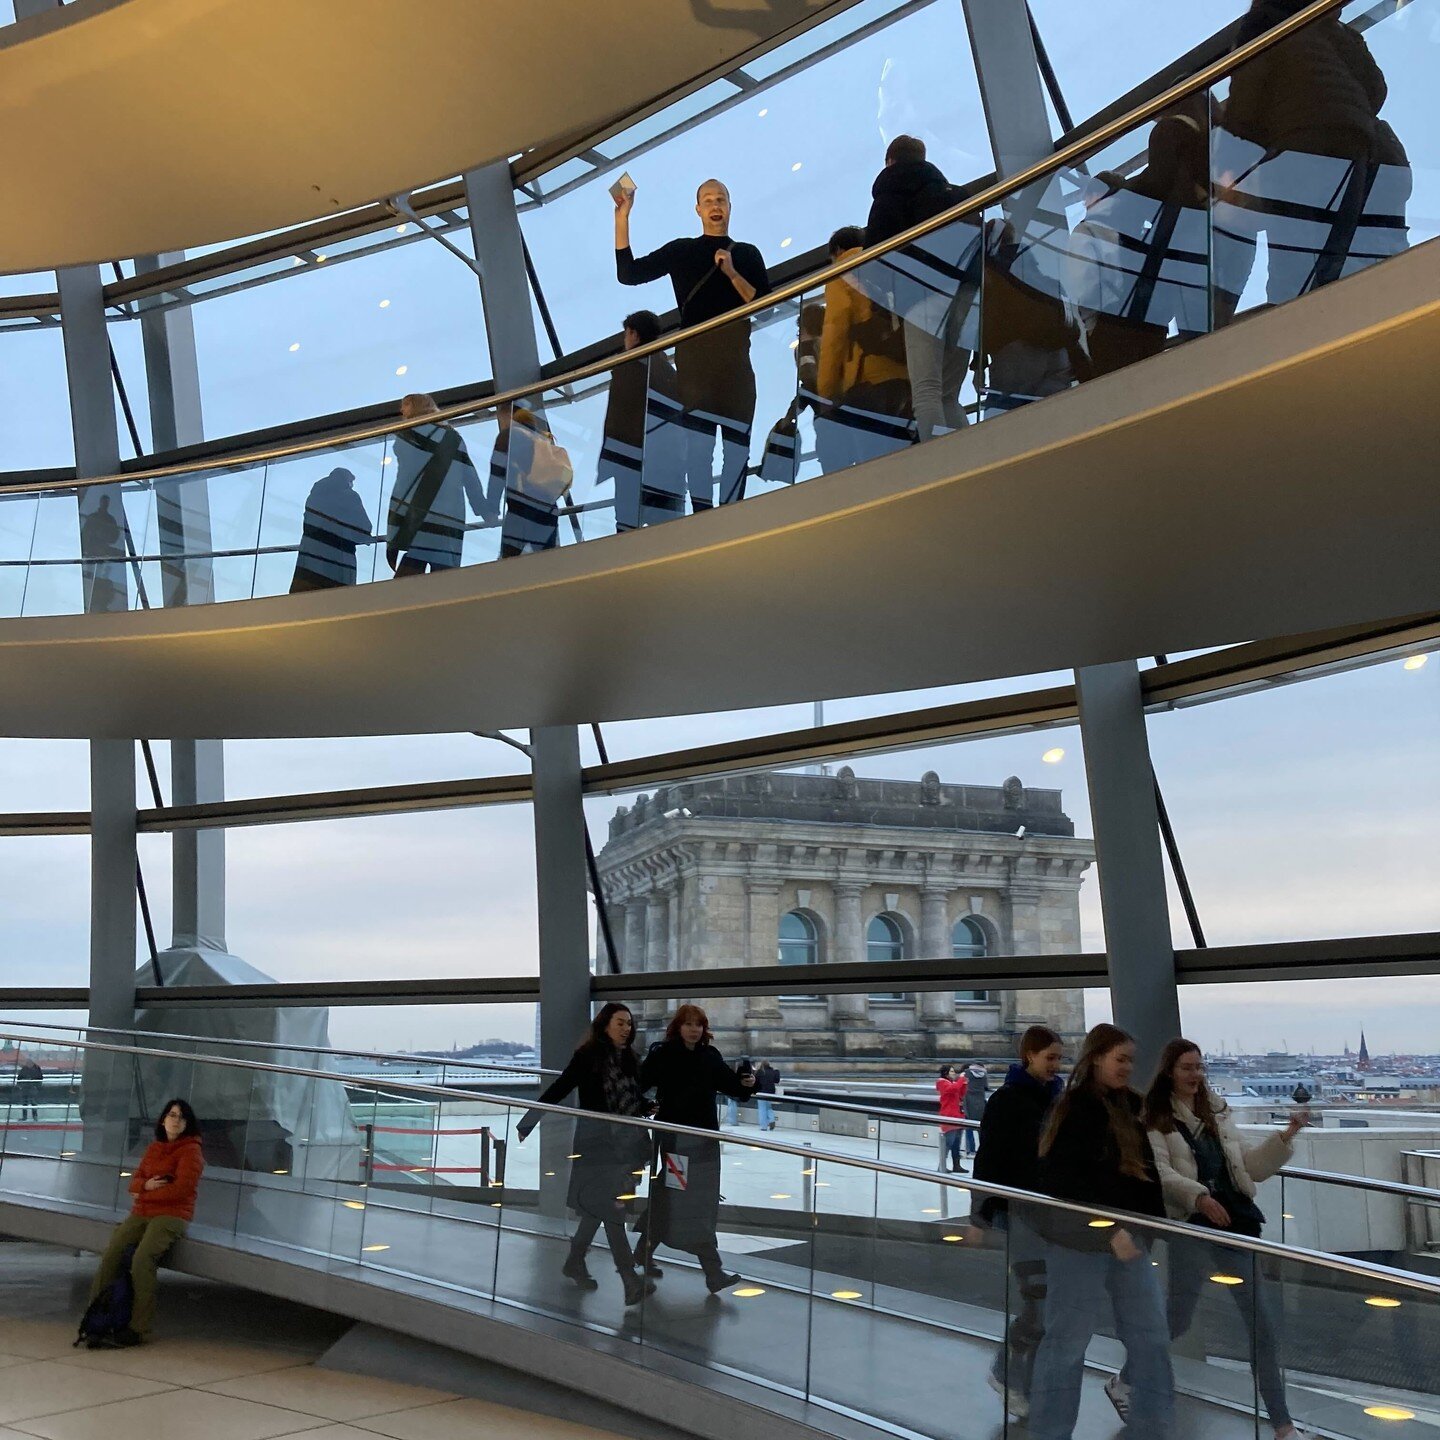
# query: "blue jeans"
1081, 1285
732, 1110
767, 1111
970, 1142
951, 1150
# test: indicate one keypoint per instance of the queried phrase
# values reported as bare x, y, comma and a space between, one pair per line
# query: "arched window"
970, 940
799, 944
885, 940
799, 939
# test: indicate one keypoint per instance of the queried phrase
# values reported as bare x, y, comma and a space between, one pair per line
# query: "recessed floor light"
845, 1295
1383, 1302
1227, 1280
1102, 1224
781, 1196
1388, 1412
952, 1239
747, 1292
354, 1204
370, 1249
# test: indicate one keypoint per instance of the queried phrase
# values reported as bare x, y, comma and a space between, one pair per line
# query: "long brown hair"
1159, 1113
1125, 1133
689, 1012
596, 1043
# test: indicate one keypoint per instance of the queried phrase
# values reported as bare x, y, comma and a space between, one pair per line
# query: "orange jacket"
182, 1161
845, 359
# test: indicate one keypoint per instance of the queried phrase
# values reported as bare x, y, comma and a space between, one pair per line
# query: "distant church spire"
1363, 1060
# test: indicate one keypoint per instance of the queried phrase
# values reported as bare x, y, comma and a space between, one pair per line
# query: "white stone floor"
225, 1365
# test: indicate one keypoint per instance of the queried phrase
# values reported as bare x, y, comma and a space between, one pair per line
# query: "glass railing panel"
18, 517
1352, 1220
1312, 158
318, 526
572, 460
351, 1191
55, 584
784, 354
1354, 1354
730, 1250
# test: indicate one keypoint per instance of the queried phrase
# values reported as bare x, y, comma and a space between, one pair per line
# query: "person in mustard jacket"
164, 1184
862, 375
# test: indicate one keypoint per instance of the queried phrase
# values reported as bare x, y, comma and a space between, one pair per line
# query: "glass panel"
1301, 202
18, 517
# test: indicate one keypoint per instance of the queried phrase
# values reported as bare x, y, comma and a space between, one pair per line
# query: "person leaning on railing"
1209, 1174
164, 1185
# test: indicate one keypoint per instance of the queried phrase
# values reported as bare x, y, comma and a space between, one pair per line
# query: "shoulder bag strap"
426, 488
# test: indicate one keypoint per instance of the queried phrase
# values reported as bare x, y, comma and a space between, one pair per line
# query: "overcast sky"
1304, 812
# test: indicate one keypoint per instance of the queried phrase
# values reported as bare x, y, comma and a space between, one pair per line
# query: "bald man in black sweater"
711, 274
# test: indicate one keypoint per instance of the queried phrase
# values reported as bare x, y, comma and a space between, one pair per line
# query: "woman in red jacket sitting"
951, 1086
164, 1185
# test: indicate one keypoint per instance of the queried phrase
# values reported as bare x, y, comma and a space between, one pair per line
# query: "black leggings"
615, 1235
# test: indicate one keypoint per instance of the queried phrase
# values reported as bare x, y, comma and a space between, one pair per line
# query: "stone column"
936, 1007
849, 1010
634, 959
762, 941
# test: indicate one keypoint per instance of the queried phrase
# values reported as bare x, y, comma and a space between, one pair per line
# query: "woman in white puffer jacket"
1209, 1173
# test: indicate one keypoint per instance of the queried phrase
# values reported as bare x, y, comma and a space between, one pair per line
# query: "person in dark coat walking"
767, 1081
1094, 1151
932, 283
711, 274
606, 1072
977, 1092
686, 1072
336, 521
1009, 1155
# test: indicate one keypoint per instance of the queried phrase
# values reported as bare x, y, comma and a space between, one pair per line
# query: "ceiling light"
401, 229
794, 344
1227, 1280
787, 242
1053, 757
320, 259
796, 166
401, 369
384, 304
844, 1294
764, 112
747, 1292
1383, 1302
294, 347
1389, 1412
1416, 662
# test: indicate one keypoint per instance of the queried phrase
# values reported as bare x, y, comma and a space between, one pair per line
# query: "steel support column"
1140, 950
1012, 92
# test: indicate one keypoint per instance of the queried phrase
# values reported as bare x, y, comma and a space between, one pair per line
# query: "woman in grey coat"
977, 1091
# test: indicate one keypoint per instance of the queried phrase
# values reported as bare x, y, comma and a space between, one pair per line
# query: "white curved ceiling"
134, 127
1273, 479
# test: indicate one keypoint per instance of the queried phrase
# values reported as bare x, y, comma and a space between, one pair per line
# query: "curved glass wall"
1172, 229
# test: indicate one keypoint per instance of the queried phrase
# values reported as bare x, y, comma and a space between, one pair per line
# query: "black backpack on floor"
109, 1311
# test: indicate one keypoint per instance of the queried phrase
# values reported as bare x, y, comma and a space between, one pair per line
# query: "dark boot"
636, 1287
718, 1280
575, 1269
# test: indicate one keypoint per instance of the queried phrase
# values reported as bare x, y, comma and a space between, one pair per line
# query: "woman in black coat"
1009, 1155
606, 1072
686, 1071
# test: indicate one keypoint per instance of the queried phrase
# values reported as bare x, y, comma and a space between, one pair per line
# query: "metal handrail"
1151, 1224
992, 194
917, 1117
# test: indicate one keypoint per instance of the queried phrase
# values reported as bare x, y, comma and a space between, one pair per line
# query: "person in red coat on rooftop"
951, 1086
164, 1185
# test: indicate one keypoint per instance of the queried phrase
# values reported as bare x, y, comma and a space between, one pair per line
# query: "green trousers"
152, 1239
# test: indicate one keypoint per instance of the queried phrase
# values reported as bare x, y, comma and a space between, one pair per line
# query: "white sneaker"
1117, 1392
1015, 1402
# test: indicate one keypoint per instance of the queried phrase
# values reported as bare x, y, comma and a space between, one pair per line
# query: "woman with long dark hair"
951, 1088
1209, 1173
1094, 1151
164, 1185
686, 1072
605, 1071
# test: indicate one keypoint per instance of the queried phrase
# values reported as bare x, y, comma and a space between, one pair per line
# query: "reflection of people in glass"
862, 372
28, 1079
606, 1072
648, 471
932, 282
1209, 1174
336, 521
711, 274
425, 528
686, 1072
1139, 260
1094, 1151
530, 474
1304, 156
1009, 1154
101, 549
